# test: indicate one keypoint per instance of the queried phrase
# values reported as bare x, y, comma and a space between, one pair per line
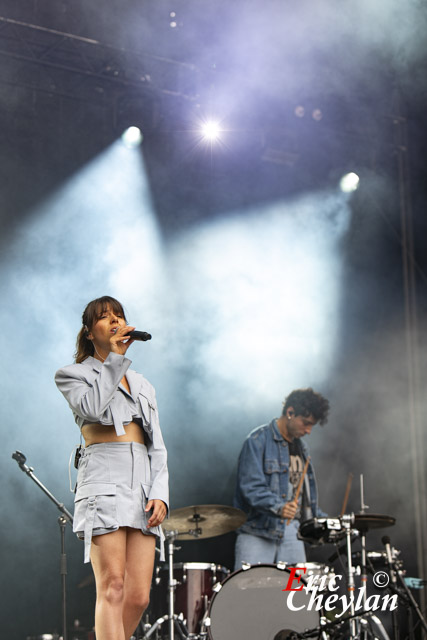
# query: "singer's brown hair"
91, 314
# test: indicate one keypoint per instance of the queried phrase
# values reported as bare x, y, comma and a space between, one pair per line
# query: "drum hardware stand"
197, 531
172, 583
174, 620
324, 628
177, 620
378, 624
143, 627
62, 521
358, 624
347, 521
364, 569
365, 632
393, 586
404, 592
357, 620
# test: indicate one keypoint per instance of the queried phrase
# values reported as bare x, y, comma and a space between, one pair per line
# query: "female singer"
122, 482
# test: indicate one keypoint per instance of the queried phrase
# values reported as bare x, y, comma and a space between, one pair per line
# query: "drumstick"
299, 487
347, 493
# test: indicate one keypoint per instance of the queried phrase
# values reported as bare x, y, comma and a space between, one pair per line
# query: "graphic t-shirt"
296, 467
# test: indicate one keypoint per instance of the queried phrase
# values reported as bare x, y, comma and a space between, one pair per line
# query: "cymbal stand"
364, 568
171, 585
173, 619
347, 521
62, 521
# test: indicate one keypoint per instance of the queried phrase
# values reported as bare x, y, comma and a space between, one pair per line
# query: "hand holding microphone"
120, 340
132, 334
143, 336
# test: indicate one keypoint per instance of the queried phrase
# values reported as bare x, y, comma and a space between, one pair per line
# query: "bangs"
104, 304
98, 307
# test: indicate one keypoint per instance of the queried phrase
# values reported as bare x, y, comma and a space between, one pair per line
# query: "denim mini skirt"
113, 485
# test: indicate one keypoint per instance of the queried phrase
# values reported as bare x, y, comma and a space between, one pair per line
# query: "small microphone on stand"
386, 542
19, 457
21, 460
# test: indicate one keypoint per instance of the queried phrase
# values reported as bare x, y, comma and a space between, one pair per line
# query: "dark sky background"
253, 272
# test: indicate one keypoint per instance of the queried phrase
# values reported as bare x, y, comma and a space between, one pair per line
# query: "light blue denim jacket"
263, 482
94, 393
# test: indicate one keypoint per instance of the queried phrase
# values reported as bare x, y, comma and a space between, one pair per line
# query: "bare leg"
140, 550
108, 556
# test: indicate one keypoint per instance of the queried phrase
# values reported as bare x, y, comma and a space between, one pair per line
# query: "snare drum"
251, 605
194, 590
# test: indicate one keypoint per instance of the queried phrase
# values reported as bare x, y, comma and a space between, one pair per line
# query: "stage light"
132, 137
211, 131
349, 182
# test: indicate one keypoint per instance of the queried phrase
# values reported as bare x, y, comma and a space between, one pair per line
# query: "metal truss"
85, 68
132, 82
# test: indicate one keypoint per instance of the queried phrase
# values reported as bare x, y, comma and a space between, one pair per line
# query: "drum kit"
204, 601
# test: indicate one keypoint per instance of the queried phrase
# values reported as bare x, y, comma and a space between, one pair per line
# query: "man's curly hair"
307, 402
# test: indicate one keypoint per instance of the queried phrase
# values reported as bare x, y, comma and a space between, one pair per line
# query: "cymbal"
204, 521
364, 521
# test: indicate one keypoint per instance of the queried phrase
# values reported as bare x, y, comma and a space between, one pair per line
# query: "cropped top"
95, 394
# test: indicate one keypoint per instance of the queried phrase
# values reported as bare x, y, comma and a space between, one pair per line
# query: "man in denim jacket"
270, 466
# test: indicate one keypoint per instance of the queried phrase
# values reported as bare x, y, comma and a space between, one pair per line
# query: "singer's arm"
158, 459
90, 395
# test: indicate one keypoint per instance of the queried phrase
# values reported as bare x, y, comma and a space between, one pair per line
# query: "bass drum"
195, 582
251, 605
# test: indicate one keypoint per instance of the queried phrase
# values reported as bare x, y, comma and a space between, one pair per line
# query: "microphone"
19, 457
386, 542
140, 335
21, 460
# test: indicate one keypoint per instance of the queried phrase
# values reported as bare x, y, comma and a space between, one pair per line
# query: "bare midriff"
97, 433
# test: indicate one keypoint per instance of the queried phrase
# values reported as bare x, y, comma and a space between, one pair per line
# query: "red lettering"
293, 577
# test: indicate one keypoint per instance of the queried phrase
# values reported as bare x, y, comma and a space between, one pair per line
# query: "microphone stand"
62, 521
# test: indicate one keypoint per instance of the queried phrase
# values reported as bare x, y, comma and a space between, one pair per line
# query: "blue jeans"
255, 550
